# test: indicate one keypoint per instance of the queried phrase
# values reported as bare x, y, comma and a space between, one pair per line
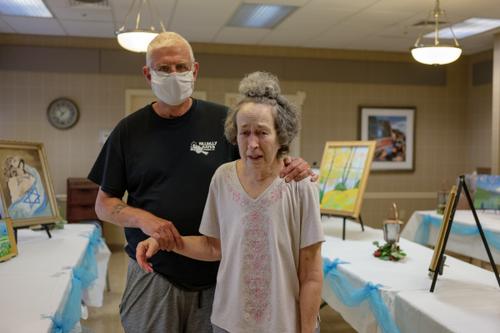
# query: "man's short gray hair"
263, 88
167, 39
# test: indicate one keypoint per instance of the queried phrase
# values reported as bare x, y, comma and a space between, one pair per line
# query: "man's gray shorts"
151, 304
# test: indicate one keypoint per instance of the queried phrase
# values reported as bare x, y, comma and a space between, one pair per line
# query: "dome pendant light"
437, 53
138, 39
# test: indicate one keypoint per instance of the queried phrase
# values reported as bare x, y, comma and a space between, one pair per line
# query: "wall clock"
63, 113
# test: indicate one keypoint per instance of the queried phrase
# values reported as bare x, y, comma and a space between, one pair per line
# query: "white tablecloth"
406, 285
36, 283
470, 246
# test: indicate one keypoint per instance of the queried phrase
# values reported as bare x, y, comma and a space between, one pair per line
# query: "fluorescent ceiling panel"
467, 28
33, 8
259, 15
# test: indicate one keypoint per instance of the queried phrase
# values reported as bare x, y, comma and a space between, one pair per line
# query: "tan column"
495, 111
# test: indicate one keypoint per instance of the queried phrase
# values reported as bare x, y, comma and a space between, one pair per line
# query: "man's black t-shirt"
166, 166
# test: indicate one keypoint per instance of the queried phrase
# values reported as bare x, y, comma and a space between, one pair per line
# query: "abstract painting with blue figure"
28, 197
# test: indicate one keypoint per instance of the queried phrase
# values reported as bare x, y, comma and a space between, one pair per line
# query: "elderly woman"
266, 232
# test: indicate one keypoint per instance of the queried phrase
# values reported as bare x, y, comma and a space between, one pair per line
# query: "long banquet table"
36, 287
466, 298
464, 239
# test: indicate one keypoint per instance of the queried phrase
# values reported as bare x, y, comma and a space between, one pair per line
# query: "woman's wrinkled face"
257, 138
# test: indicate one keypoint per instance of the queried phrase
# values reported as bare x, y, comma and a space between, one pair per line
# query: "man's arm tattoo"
118, 208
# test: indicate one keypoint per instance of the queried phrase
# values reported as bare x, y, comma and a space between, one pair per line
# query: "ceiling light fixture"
436, 53
138, 38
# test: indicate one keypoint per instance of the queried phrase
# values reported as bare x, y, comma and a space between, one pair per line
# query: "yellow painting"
8, 248
343, 174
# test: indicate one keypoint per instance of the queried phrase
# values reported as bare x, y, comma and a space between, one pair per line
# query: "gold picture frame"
8, 246
438, 248
343, 175
26, 191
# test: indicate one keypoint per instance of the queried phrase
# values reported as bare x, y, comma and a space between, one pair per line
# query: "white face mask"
172, 89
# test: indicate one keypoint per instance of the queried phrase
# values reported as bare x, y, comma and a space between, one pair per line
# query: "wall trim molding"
212, 48
400, 195
61, 197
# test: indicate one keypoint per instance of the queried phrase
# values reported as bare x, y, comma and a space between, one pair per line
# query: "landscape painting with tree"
343, 174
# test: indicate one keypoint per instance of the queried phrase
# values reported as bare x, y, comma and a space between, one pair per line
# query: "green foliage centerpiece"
388, 251
392, 229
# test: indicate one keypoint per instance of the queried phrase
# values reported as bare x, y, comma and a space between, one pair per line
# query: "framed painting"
393, 130
487, 192
438, 248
8, 248
342, 177
26, 189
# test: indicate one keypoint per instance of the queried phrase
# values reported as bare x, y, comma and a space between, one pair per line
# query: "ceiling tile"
69, 13
398, 5
358, 24
199, 33
34, 25
233, 35
344, 4
92, 29
215, 13
379, 18
4, 27
162, 9
293, 32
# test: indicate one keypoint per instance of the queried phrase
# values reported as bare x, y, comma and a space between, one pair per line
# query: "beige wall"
330, 112
478, 115
24, 97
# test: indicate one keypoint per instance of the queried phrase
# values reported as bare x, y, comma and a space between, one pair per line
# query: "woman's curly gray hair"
263, 88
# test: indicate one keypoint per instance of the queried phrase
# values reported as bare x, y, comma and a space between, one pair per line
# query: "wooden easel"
440, 263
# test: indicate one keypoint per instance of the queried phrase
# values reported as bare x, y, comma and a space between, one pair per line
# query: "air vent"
96, 4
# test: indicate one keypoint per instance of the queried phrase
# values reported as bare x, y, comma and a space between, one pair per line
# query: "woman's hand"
145, 250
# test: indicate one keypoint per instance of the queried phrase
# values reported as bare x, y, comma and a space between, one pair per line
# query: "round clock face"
63, 113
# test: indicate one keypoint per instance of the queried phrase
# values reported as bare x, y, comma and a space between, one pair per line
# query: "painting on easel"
343, 174
487, 196
26, 192
8, 248
438, 248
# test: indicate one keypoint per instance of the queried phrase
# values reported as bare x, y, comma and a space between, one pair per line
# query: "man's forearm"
116, 211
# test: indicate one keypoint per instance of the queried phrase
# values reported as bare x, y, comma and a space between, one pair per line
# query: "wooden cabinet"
81, 195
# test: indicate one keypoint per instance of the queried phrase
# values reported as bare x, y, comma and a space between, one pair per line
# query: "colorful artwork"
25, 186
487, 196
393, 130
343, 174
8, 247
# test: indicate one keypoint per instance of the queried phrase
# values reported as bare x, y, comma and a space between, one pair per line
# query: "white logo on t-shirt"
203, 147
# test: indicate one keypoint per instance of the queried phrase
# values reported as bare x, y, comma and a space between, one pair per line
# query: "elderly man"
164, 156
